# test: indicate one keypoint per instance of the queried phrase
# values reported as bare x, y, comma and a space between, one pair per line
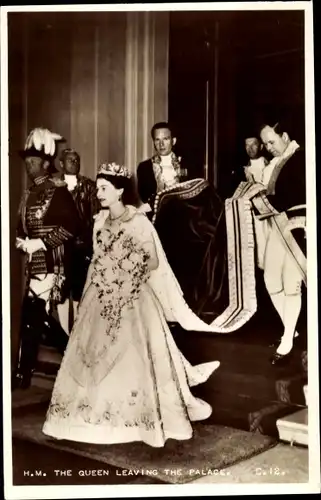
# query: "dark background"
259, 67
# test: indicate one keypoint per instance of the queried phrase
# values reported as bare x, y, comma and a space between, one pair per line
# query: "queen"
122, 377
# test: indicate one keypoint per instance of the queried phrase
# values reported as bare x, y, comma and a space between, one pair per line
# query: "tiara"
113, 169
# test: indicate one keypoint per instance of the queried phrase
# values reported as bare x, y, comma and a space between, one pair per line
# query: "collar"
290, 150
74, 181
265, 161
78, 176
175, 159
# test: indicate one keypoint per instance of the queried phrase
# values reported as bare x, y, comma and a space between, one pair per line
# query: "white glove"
33, 245
42, 137
20, 244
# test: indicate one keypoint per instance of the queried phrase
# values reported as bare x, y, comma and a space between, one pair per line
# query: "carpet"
211, 448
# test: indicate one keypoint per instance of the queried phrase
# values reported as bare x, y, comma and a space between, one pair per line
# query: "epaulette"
58, 182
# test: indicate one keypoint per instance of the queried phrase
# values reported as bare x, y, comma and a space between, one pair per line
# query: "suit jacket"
146, 182
290, 184
290, 192
85, 198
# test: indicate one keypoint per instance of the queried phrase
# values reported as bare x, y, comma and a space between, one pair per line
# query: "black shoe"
276, 343
280, 359
21, 381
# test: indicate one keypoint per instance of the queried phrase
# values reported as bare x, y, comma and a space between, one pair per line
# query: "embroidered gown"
122, 378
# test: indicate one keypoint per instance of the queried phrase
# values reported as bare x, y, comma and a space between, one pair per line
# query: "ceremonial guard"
48, 222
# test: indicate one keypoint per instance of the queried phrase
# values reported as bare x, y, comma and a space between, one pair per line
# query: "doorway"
228, 73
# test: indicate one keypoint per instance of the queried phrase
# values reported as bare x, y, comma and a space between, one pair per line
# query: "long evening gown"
122, 377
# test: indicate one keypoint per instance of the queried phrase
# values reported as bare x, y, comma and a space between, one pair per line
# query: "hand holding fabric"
33, 245
20, 244
43, 138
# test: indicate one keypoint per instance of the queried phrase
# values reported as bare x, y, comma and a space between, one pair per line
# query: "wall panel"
111, 89
91, 78
82, 92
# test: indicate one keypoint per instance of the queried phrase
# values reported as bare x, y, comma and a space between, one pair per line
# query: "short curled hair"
67, 151
159, 125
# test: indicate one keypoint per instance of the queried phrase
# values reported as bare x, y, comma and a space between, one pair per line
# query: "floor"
282, 464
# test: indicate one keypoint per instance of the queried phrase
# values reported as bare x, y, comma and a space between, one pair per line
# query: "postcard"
159, 250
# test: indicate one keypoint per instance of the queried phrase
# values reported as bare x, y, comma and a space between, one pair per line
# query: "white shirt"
260, 171
166, 176
71, 181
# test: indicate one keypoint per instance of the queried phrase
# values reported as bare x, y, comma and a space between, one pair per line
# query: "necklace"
119, 216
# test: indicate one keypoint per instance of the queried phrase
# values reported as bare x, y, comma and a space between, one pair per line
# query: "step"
235, 354
288, 389
293, 428
49, 355
250, 415
43, 380
35, 394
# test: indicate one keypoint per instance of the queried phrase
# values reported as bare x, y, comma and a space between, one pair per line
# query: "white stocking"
282, 305
292, 308
278, 302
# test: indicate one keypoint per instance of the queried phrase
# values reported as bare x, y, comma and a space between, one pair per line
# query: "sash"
183, 190
241, 265
280, 222
284, 227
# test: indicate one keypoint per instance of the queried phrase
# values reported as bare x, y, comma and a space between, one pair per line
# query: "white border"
188, 6
33, 492
312, 295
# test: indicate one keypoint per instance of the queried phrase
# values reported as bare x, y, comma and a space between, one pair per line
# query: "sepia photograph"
159, 250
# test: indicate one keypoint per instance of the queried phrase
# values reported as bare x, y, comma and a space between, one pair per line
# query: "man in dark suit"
164, 169
83, 191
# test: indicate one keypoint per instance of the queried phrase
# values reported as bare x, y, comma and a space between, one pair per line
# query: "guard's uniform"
47, 212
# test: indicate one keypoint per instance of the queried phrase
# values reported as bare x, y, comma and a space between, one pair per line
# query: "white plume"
43, 138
